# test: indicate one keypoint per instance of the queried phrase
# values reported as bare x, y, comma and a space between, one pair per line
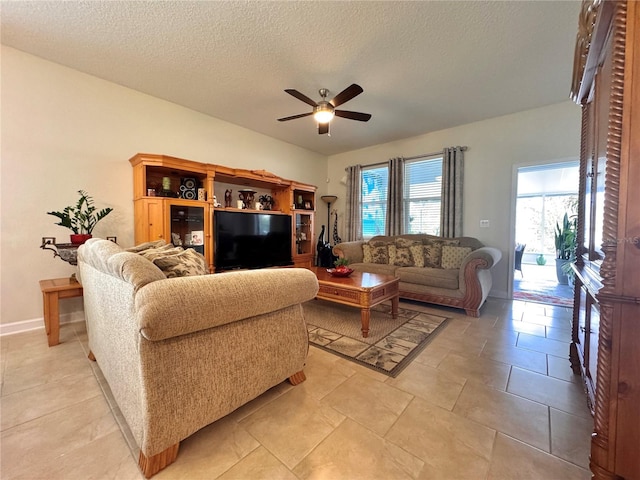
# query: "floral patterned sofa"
455, 272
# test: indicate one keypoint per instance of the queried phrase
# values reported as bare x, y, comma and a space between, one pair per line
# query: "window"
422, 191
375, 182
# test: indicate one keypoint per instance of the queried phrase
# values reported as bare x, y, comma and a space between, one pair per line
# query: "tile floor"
489, 398
541, 280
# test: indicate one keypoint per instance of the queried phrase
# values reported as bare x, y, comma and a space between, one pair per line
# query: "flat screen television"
251, 240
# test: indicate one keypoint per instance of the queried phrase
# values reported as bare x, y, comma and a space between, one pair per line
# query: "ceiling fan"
324, 111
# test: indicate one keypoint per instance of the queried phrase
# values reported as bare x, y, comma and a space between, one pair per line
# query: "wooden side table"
52, 291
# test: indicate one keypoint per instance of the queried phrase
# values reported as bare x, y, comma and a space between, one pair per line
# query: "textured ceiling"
424, 66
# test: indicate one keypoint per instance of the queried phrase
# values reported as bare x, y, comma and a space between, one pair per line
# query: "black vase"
324, 257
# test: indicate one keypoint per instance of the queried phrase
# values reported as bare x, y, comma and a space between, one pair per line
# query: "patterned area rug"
541, 298
391, 345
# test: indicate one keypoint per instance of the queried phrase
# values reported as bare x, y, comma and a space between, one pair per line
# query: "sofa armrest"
350, 250
475, 277
179, 306
489, 256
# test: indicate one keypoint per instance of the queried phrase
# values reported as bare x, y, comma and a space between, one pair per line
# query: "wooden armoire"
605, 347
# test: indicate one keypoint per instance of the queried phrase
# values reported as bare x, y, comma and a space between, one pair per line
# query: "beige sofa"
180, 353
461, 280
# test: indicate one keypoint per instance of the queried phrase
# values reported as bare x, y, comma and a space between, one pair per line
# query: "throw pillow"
146, 246
403, 257
433, 252
391, 252
406, 242
433, 255
452, 256
366, 253
152, 253
379, 252
417, 252
403, 254
186, 263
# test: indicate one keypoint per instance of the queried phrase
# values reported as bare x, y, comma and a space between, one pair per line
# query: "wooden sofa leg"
153, 464
91, 356
297, 378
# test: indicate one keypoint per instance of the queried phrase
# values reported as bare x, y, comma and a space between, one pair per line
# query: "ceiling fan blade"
293, 117
323, 128
301, 96
361, 117
347, 94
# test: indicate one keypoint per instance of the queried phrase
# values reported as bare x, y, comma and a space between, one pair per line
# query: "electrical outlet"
484, 223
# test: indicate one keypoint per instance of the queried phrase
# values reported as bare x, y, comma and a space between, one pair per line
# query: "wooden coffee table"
362, 290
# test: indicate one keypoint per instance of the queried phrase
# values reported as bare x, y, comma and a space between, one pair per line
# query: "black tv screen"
251, 240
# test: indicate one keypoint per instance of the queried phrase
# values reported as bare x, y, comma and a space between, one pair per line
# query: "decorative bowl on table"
340, 273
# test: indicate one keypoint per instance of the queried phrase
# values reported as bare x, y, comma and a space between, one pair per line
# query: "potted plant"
565, 238
82, 218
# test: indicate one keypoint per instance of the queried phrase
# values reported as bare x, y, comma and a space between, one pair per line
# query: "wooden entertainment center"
174, 197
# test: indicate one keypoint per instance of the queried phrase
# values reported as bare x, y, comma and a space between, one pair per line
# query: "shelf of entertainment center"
249, 210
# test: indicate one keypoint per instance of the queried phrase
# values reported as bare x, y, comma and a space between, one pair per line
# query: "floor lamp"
329, 199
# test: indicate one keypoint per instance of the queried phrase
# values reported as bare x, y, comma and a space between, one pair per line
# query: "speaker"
188, 188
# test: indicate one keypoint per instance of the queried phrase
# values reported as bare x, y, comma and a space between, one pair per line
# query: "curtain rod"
464, 149
433, 154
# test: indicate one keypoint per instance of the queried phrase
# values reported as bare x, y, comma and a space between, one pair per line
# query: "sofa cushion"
452, 256
382, 269
430, 277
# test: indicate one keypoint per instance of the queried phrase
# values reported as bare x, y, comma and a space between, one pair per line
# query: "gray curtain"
452, 173
353, 215
395, 196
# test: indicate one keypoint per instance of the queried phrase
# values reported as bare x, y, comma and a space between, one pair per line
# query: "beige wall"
63, 131
543, 135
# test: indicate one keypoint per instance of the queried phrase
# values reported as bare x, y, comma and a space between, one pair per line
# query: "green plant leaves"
565, 238
81, 218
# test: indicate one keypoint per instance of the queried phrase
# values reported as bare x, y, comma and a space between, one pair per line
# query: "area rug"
391, 345
540, 298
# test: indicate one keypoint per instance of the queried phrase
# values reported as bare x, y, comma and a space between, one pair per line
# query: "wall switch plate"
484, 223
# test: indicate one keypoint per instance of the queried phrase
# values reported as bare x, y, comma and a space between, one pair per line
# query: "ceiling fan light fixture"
323, 113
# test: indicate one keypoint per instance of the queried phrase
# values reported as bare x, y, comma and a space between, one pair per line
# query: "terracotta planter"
79, 239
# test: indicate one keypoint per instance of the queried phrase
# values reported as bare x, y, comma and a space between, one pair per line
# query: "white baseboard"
38, 323
499, 294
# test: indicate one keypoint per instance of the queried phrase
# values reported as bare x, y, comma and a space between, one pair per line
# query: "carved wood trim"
431, 298
473, 289
585, 153
472, 299
586, 22
602, 446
